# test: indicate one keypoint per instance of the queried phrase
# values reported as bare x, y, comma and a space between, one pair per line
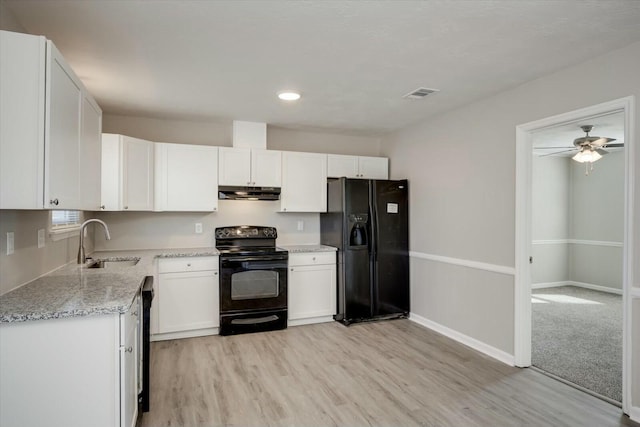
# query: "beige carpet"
577, 335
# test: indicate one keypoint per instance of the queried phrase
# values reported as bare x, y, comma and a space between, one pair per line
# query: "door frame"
523, 236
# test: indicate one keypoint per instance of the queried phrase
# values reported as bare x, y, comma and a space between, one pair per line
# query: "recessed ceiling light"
289, 95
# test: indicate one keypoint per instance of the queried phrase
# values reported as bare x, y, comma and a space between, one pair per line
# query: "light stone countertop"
74, 290
308, 248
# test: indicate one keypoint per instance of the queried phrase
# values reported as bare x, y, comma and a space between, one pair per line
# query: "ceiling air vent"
420, 93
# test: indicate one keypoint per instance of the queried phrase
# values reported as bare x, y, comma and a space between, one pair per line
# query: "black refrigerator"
368, 221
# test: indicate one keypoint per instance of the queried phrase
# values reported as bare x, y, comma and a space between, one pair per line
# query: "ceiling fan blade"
601, 141
554, 148
614, 145
558, 152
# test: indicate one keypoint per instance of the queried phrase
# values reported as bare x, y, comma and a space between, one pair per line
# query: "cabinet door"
62, 141
234, 166
129, 366
304, 182
111, 172
312, 291
374, 167
266, 168
339, 165
90, 154
22, 105
186, 177
188, 301
137, 180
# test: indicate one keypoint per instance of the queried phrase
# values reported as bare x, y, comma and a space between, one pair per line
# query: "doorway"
577, 233
524, 220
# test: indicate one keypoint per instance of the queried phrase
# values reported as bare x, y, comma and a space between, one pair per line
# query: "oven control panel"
246, 232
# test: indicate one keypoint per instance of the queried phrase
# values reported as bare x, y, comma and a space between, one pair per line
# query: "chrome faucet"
81, 258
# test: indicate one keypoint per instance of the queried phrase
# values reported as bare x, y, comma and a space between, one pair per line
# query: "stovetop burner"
247, 240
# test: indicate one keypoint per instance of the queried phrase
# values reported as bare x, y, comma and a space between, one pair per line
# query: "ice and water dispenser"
358, 230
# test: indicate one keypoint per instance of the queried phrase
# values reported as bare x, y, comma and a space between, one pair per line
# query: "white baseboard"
480, 346
634, 414
550, 285
579, 285
184, 334
597, 287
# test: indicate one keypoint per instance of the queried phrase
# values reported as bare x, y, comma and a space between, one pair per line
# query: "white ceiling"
351, 60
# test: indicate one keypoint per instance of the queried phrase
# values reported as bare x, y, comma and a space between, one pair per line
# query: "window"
61, 219
65, 224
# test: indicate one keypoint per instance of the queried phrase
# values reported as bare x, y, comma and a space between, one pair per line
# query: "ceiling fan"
589, 148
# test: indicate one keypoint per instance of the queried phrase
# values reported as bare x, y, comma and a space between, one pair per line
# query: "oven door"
254, 282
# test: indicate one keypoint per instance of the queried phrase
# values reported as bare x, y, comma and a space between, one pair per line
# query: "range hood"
252, 135
229, 192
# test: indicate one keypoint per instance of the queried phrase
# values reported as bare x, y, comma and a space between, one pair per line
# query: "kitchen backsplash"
158, 230
29, 262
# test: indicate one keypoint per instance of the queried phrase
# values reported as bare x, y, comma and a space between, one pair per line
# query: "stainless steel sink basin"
111, 263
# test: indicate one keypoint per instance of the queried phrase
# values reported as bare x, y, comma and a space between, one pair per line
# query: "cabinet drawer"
312, 258
178, 265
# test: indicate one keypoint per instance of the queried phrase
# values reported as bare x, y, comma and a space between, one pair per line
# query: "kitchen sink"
111, 263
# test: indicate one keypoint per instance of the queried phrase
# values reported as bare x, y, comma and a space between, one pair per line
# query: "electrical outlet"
41, 238
198, 228
10, 243
300, 225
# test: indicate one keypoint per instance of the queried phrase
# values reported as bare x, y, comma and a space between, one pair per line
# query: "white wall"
550, 219
461, 168
597, 215
220, 134
575, 220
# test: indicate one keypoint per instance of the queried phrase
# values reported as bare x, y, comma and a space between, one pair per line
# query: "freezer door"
357, 285
390, 247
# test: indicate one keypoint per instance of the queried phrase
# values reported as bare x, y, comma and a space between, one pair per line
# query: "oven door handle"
255, 320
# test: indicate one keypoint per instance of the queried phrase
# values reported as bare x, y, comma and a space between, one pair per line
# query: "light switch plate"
10, 242
198, 228
41, 238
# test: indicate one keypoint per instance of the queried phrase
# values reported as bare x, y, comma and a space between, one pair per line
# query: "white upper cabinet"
249, 167
357, 167
304, 182
42, 126
127, 173
90, 155
62, 186
186, 178
234, 166
266, 168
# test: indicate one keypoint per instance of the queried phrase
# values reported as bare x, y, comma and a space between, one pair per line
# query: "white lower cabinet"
311, 287
187, 297
129, 365
77, 371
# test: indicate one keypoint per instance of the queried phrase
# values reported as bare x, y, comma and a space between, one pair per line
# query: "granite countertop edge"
308, 248
75, 291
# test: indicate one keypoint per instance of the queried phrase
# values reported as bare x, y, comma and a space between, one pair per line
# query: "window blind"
64, 218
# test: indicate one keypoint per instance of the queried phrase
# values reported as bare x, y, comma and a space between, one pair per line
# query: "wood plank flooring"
392, 373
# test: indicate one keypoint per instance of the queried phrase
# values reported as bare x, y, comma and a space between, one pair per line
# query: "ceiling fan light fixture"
587, 155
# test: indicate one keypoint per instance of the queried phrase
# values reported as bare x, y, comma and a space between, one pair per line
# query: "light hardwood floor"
392, 373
